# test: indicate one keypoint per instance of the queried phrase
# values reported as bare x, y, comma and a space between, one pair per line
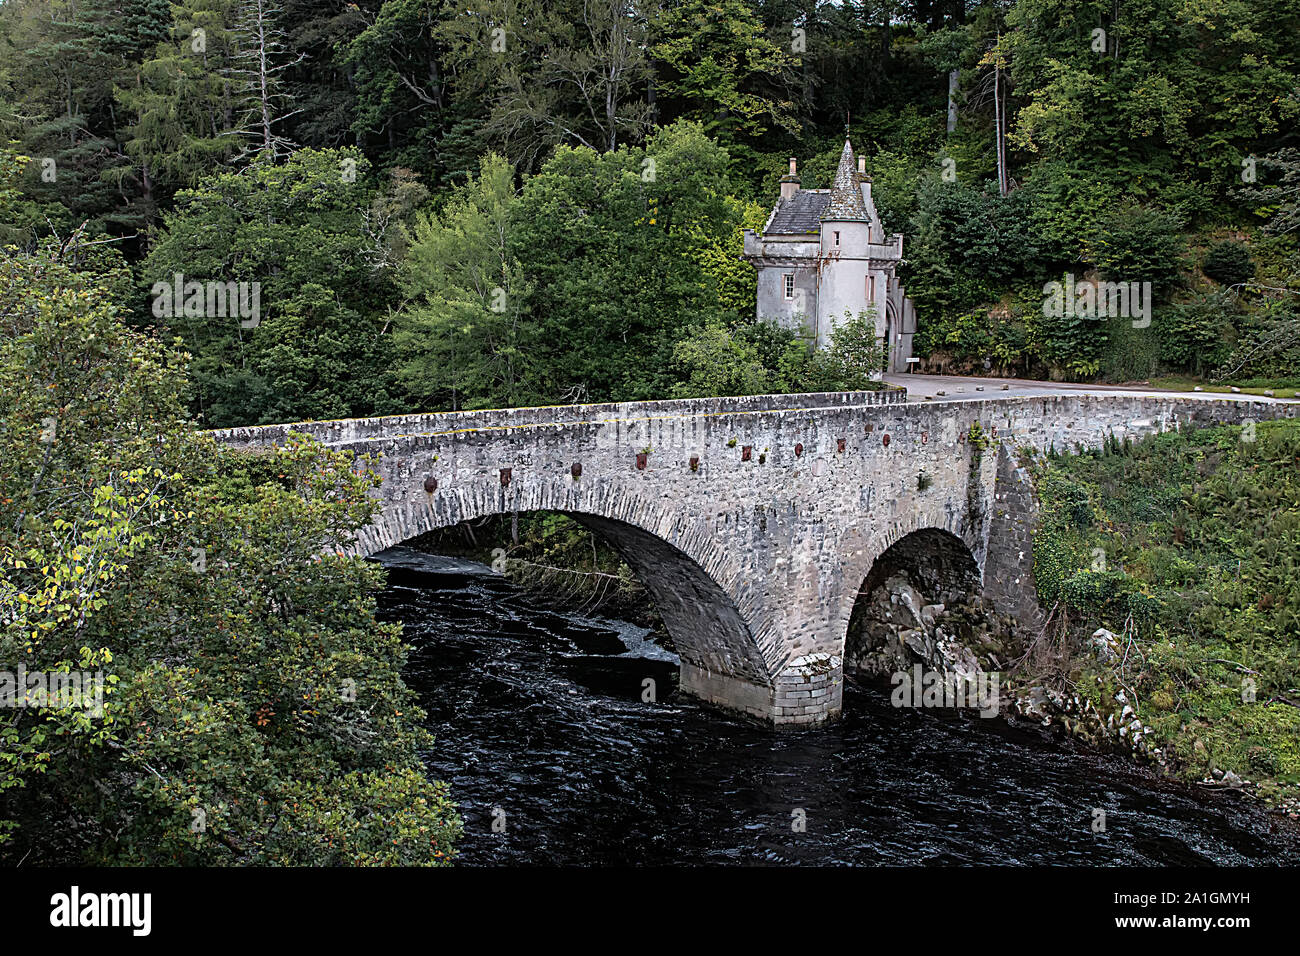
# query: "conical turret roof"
846, 203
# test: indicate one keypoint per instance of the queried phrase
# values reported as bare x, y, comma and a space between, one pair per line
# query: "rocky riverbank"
962, 636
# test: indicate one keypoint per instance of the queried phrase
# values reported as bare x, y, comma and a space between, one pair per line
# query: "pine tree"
181, 98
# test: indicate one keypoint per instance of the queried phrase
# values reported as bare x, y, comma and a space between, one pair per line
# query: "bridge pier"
808, 691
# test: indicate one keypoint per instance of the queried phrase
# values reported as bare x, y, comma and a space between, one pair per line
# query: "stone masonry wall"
1009, 564
753, 521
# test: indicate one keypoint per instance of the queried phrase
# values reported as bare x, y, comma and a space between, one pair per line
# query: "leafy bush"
1268, 346
1093, 591
757, 357
1130, 354
1197, 335
1229, 263
1074, 343
715, 360
1139, 245
854, 358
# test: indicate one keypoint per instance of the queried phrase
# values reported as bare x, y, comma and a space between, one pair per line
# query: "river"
542, 730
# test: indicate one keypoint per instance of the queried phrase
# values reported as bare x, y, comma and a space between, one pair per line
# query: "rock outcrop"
897, 626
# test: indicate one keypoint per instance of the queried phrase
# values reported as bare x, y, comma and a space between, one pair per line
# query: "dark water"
540, 714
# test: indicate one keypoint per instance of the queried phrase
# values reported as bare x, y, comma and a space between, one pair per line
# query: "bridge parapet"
341, 430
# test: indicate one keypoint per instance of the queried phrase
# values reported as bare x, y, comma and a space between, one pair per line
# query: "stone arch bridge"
754, 522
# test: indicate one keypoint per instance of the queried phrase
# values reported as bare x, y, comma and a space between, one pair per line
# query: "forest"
523, 202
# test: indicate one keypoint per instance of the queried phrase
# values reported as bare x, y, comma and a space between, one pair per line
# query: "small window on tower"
837, 238
789, 285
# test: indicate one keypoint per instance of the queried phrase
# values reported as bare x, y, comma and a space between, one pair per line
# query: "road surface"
959, 387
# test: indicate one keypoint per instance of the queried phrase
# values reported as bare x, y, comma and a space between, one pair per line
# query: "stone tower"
824, 252
845, 260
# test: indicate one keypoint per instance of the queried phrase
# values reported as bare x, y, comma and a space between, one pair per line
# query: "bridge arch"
937, 557
701, 596
940, 559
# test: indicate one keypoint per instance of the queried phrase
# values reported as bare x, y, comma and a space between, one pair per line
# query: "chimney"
864, 184
790, 181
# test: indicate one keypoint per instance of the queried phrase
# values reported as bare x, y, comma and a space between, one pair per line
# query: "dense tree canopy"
1012, 144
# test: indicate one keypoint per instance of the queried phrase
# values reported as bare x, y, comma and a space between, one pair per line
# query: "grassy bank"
1279, 387
1186, 546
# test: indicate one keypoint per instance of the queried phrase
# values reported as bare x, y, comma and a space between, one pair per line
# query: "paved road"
958, 388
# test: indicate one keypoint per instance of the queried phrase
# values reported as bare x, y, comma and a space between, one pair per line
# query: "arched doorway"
891, 322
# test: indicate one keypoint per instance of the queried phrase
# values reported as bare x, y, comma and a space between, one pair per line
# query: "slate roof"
846, 203
800, 214
804, 212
